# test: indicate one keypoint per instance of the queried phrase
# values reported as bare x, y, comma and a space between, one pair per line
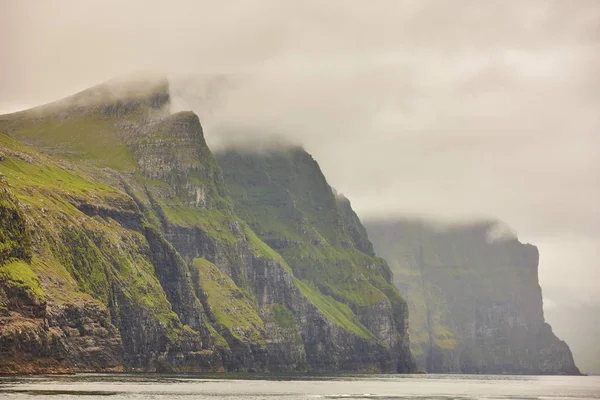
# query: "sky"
448, 109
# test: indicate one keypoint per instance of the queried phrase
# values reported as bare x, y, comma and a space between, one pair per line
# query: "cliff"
121, 249
287, 201
474, 298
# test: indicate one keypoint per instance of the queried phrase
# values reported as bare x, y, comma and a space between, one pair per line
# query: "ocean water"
253, 387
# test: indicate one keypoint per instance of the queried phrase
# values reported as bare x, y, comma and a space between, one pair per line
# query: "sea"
297, 387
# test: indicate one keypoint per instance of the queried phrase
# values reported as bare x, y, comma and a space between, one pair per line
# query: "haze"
451, 110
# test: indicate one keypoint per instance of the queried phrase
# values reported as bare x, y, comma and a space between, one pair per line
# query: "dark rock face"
133, 257
475, 300
86, 337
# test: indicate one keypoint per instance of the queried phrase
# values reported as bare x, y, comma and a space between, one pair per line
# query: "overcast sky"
452, 109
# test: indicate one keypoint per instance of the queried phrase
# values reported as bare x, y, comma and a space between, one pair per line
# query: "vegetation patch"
336, 312
214, 222
20, 274
443, 337
283, 316
77, 138
230, 306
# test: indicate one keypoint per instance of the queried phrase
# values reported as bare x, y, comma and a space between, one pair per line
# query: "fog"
454, 110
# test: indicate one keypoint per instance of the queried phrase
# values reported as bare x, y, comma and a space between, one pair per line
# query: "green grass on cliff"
310, 255
444, 337
215, 222
77, 138
20, 274
43, 183
283, 317
337, 312
232, 309
285, 321
260, 248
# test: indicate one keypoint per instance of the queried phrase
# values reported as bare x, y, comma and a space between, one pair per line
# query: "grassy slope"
232, 309
15, 247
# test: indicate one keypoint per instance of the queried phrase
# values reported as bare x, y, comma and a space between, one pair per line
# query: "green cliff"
121, 249
286, 200
474, 298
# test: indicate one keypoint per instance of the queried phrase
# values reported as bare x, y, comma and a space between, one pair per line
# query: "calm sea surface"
160, 387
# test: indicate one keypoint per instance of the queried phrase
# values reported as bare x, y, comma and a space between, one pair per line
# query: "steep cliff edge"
474, 298
287, 201
138, 261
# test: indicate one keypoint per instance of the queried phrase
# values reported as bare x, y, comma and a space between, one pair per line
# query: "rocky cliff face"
474, 297
120, 249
